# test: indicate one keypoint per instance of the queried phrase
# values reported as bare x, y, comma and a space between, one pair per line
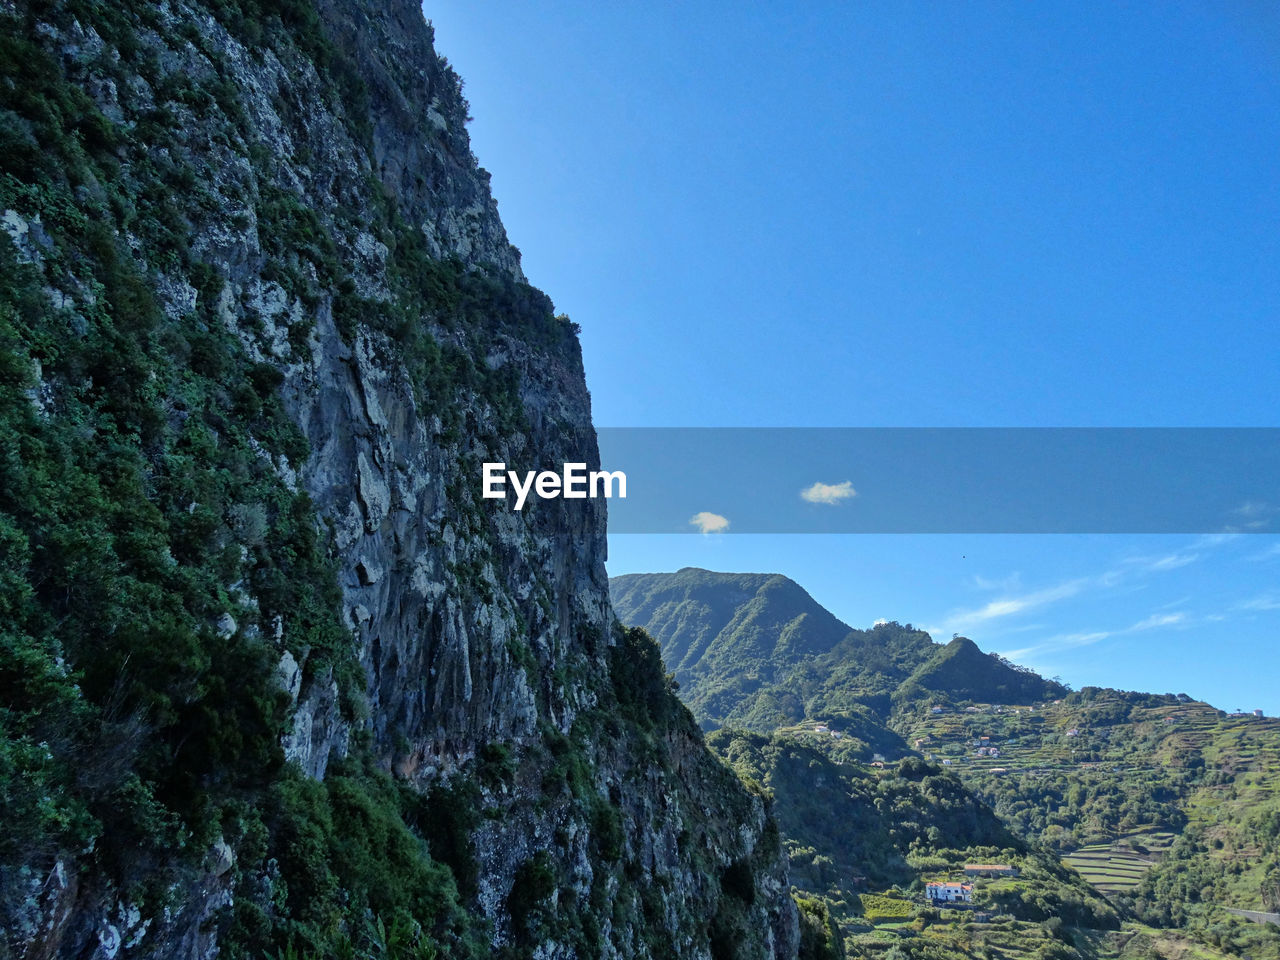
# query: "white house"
947, 892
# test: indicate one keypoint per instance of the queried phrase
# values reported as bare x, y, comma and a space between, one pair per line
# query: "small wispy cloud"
1173, 561
1206, 540
830, 494
962, 621
1265, 601
1169, 561
1063, 641
1269, 553
1180, 558
1068, 641
1253, 515
1128, 574
1157, 620
1012, 582
708, 522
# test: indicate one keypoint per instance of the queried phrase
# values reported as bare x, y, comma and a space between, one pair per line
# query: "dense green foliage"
849, 828
842, 821
153, 564
1165, 803
140, 509
820, 937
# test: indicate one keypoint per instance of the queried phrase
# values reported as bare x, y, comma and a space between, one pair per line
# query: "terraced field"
1119, 866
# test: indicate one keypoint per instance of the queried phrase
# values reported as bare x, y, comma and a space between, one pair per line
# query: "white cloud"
1254, 508
829, 493
1084, 639
1213, 540
1254, 514
1173, 561
1068, 641
1270, 553
1170, 561
1266, 601
709, 522
1157, 620
1180, 558
964, 620
1063, 641
1012, 582
1129, 573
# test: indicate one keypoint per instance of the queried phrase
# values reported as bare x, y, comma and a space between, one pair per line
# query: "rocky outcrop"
347, 239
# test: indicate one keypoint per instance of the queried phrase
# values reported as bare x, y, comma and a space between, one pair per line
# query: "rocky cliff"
277, 680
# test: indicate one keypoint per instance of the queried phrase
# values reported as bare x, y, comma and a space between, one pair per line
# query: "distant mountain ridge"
700, 617
757, 651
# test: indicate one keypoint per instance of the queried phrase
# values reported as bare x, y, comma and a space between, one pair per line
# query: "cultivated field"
1119, 866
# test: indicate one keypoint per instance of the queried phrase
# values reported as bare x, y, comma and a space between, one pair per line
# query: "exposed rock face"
482, 632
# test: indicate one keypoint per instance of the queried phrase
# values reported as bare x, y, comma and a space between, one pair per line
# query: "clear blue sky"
918, 215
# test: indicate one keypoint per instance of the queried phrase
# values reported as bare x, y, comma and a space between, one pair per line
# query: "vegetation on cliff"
208, 208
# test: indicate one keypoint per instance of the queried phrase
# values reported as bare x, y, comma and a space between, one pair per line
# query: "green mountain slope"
966, 673
756, 651
1138, 821
726, 635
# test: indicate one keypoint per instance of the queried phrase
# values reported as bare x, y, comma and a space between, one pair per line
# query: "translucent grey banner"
926, 480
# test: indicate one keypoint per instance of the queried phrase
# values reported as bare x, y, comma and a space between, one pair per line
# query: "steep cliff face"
262, 325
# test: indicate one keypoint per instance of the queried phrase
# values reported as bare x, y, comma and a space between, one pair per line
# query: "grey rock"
221, 858
290, 675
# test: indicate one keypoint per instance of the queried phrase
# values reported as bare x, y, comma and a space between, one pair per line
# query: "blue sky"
918, 215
